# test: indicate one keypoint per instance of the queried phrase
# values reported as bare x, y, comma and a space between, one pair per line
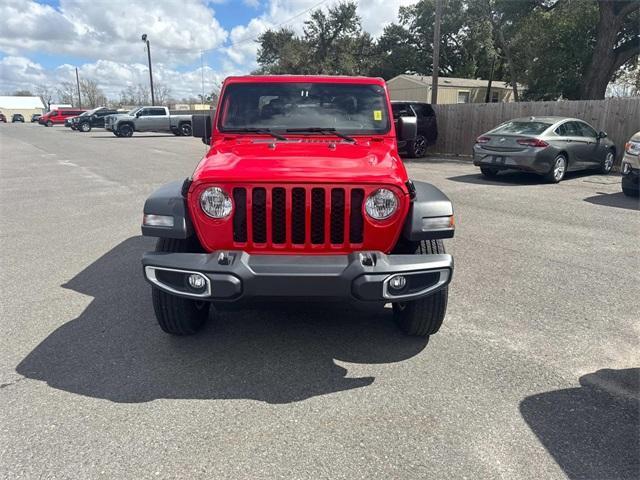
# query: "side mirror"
407, 128
201, 127
602, 134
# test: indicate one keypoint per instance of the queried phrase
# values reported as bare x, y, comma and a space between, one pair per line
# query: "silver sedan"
548, 146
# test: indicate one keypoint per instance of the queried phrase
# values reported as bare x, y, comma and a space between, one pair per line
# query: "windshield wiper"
259, 130
322, 130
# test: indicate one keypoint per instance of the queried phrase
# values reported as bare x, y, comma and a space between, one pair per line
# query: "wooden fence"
459, 125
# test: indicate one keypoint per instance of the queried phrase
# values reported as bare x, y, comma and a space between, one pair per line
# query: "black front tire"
422, 317
125, 130
489, 172
49, 123
177, 315
84, 127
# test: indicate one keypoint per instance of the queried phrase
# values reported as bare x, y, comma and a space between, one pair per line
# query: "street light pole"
145, 39
78, 84
436, 53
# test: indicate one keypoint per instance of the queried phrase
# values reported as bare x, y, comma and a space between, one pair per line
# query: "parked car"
17, 118
630, 168
148, 119
35, 117
92, 118
3, 118
58, 117
427, 126
548, 146
302, 194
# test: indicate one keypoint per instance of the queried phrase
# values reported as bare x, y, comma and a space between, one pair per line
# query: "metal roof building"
27, 106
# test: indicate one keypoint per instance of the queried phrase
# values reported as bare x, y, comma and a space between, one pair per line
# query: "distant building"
450, 90
27, 106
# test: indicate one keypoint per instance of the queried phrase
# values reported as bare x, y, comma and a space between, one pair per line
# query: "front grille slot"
259, 215
240, 215
299, 216
337, 215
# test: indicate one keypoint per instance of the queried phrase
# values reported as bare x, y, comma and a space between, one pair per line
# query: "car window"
423, 110
586, 130
155, 112
573, 129
522, 128
401, 110
561, 130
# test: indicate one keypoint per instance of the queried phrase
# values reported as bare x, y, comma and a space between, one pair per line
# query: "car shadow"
115, 350
591, 431
618, 200
513, 177
111, 136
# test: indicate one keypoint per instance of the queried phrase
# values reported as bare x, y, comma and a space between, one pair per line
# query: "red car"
301, 195
57, 117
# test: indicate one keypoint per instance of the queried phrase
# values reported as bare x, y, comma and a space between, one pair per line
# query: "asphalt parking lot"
534, 373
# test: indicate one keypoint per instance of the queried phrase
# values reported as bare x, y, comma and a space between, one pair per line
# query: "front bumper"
237, 275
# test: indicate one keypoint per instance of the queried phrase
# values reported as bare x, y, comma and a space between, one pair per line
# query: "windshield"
522, 128
347, 108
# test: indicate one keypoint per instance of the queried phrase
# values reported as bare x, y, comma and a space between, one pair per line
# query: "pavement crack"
5, 385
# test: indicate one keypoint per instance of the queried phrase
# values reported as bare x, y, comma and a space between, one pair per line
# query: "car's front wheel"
489, 172
177, 315
49, 123
85, 127
424, 316
125, 130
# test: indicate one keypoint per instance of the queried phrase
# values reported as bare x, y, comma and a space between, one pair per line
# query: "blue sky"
43, 41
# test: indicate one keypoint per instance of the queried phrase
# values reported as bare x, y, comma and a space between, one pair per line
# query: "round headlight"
215, 202
381, 204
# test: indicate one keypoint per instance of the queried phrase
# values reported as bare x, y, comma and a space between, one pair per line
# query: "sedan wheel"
559, 169
85, 127
607, 164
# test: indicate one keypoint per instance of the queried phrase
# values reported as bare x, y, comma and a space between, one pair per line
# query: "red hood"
310, 160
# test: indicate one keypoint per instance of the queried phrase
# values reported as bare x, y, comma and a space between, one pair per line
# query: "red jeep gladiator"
301, 195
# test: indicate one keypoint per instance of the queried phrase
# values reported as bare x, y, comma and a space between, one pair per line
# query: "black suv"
17, 117
90, 119
427, 126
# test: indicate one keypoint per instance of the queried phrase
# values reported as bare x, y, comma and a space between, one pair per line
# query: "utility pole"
78, 84
487, 98
146, 40
436, 53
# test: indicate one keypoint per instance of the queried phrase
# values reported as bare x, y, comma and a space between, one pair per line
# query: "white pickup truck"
148, 119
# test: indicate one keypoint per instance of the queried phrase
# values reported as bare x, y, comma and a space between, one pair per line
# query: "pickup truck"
148, 119
302, 195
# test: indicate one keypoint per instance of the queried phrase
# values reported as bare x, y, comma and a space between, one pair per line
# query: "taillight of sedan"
532, 142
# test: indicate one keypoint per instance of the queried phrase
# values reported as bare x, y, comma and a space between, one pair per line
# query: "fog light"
437, 223
157, 220
398, 282
626, 168
196, 281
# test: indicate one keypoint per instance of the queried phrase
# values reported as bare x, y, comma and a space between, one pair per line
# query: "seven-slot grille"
314, 215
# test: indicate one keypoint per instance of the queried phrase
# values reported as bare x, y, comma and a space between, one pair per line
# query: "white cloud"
111, 30
19, 73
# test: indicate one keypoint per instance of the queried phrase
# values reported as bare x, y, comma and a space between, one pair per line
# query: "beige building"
450, 90
27, 106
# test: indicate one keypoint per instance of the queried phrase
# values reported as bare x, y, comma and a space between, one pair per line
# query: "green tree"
332, 43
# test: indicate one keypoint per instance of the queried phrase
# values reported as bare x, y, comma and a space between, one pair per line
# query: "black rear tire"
558, 169
417, 148
489, 172
422, 317
185, 129
177, 315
